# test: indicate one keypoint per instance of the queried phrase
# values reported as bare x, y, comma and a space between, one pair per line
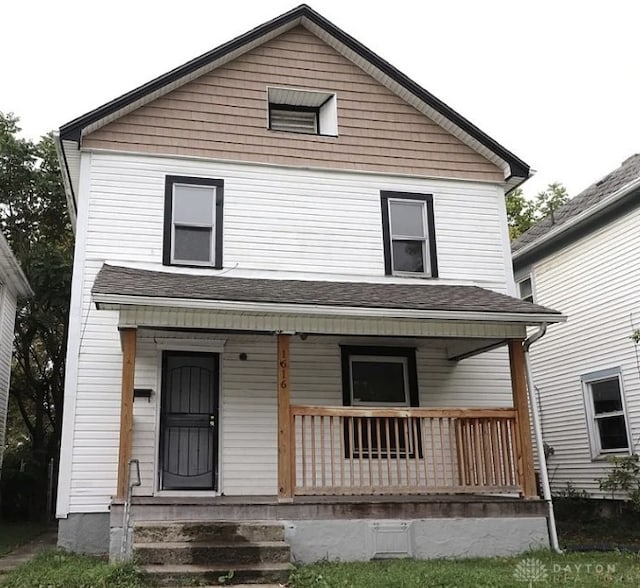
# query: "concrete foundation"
85, 533
358, 539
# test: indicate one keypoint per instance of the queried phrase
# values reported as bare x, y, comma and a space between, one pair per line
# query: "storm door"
189, 421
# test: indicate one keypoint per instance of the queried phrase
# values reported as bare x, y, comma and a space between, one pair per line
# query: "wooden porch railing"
366, 451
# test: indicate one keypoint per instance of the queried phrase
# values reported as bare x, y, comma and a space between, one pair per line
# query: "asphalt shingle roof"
627, 172
136, 282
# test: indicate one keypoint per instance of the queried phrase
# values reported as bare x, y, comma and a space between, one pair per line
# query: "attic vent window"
294, 120
303, 111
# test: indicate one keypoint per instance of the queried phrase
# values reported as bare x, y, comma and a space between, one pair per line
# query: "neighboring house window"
302, 111
379, 377
525, 289
193, 221
604, 402
409, 234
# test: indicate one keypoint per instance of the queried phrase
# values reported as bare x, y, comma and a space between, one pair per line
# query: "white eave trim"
576, 220
66, 179
315, 310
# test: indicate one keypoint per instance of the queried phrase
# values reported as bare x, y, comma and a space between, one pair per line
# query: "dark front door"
189, 421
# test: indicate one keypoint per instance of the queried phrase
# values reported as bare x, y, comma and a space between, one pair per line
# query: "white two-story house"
293, 301
584, 258
13, 287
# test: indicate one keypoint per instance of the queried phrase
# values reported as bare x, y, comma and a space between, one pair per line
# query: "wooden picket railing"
366, 451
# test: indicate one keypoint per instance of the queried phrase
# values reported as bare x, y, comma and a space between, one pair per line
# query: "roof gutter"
66, 179
315, 309
592, 212
537, 430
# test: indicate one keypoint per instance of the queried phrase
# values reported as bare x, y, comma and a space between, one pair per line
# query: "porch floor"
265, 508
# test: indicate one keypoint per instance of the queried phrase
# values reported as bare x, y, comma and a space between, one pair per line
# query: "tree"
550, 199
523, 213
34, 219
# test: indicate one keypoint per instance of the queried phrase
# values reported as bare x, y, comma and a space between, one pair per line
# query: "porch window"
193, 221
607, 422
409, 234
380, 377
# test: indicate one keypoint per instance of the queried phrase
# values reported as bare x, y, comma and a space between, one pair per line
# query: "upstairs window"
409, 234
193, 221
525, 289
302, 111
607, 421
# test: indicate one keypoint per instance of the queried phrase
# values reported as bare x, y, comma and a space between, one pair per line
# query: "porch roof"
131, 286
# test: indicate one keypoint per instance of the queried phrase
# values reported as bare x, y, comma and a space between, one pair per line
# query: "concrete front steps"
221, 552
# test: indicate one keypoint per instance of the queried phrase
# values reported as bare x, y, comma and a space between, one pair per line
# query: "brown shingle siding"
222, 115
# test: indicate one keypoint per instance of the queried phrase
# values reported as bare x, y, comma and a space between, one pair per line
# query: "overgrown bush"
624, 478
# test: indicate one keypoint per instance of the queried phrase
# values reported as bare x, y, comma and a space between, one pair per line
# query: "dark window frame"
291, 108
170, 181
398, 451
430, 231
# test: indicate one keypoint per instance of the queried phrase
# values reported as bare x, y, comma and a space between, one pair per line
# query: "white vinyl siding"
594, 281
305, 223
278, 219
7, 322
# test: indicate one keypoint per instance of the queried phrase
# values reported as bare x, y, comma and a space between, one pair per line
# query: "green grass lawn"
58, 569
13, 535
539, 569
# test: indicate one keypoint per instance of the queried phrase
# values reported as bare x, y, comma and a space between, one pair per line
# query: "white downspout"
537, 430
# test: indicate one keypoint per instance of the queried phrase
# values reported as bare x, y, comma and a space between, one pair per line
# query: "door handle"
212, 420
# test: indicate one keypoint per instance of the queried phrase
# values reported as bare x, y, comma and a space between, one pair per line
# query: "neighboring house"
293, 301
585, 259
13, 286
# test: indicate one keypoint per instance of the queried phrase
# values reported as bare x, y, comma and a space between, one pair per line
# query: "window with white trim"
408, 231
193, 221
525, 288
307, 112
606, 415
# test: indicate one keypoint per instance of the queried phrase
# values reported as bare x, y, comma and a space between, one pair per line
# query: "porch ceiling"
117, 286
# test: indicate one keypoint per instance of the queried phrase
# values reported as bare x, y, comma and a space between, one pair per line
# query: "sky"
555, 82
